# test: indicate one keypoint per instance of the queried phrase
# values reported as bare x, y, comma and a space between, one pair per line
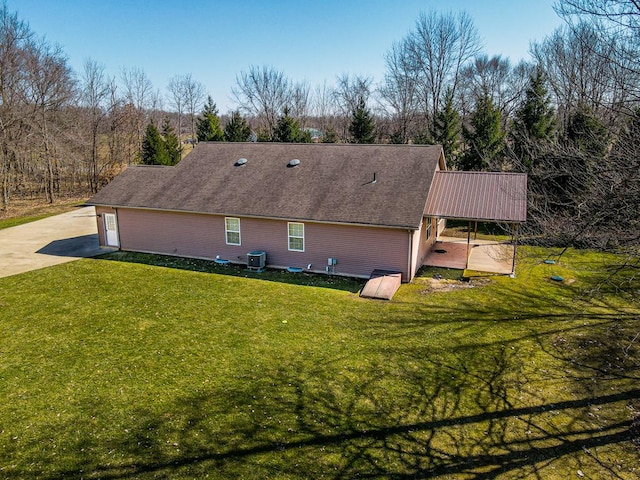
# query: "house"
327, 208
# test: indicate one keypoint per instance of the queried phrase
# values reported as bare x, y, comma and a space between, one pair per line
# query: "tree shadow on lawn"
420, 415
400, 407
208, 266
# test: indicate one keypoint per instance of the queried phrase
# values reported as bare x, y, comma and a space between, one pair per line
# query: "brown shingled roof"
332, 183
491, 196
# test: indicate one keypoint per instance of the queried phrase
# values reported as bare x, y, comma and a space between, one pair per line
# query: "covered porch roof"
478, 196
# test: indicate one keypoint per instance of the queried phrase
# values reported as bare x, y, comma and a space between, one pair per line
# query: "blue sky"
307, 40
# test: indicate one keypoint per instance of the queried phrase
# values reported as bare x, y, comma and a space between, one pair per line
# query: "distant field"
133, 366
26, 211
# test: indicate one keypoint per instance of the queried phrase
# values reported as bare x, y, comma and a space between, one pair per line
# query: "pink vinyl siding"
358, 250
181, 234
425, 243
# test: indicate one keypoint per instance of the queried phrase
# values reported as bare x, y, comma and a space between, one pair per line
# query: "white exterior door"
111, 230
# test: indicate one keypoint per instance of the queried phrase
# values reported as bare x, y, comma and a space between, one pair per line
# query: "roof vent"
293, 163
240, 161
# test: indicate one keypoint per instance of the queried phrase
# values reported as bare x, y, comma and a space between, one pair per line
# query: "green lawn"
114, 368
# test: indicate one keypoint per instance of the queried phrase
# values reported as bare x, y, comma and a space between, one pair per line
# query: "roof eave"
474, 219
264, 217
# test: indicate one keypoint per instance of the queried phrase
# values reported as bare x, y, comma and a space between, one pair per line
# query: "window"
428, 222
232, 230
296, 237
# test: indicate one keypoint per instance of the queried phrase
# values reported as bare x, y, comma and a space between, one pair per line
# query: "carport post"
514, 240
468, 243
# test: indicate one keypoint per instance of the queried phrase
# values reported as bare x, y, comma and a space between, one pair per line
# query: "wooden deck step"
382, 284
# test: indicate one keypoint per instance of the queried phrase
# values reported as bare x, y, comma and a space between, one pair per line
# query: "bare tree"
138, 93
615, 18
15, 37
300, 102
439, 47
323, 106
399, 90
177, 99
576, 76
263, 92
350, 90
496, 78
348, 95
617, 23
94, 96
156, 112
194, 96
117, 135
50, 88
138, 89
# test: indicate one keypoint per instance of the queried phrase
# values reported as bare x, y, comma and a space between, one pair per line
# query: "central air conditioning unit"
256, 260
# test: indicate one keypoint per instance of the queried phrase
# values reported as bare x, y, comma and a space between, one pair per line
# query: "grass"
485, 230
134, 366
281, 276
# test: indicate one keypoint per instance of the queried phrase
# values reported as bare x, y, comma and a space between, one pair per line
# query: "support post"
514, 240
468, 244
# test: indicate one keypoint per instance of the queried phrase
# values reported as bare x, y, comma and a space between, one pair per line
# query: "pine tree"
288, 130
587, 133
486, 140
535, 122
447, 128
262, 135
237, 129
171, 143
154, 151
362, 127
208, 127
330, 136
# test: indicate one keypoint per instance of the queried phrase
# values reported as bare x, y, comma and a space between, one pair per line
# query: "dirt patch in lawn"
434, 285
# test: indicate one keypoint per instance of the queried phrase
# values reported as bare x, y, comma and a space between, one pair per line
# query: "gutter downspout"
409, 259
115, 210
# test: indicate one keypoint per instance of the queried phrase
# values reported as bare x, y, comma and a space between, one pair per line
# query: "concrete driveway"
51, 241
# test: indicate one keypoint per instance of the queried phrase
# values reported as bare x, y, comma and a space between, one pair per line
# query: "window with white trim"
232, 230
296, 237
427, 230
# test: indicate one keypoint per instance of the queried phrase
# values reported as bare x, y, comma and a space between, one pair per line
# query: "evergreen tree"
587, 133
208, 127
288, 130
396, 137
362, 126
586, 142
447, 127
263, 135
330, 136
171, 143
535, 122
237, 129
154, 151
485, 140
423, 137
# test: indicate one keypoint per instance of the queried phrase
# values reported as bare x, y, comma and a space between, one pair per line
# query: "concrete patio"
483, 255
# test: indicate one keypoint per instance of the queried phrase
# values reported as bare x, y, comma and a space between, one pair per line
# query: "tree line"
569, 116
